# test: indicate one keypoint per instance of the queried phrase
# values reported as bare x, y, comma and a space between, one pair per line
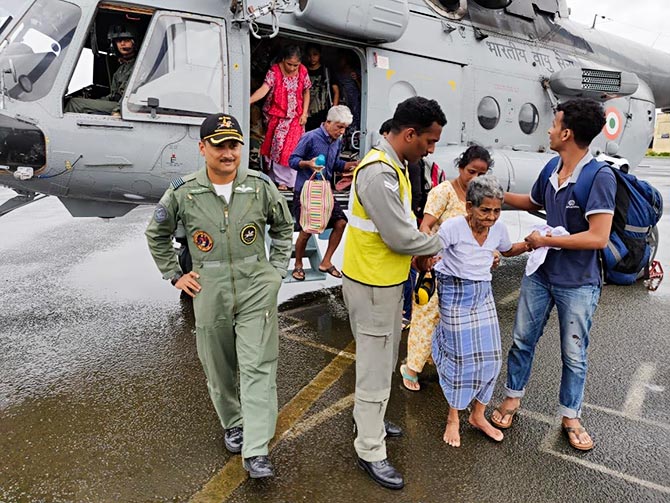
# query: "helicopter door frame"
178, 65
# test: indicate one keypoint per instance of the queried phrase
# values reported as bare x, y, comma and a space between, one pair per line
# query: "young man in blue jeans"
570, 277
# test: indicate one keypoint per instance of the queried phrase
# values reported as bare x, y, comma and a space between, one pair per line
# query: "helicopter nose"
21, 145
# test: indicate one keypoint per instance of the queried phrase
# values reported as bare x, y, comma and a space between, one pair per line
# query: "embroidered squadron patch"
248, 234
203, 241
160, 214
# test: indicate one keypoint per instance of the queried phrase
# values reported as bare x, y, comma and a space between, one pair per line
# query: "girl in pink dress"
286, 86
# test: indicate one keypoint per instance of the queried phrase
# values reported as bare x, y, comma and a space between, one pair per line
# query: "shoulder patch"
160, 213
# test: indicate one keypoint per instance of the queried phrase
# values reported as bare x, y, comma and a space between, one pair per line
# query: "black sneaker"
259, 467
232, 439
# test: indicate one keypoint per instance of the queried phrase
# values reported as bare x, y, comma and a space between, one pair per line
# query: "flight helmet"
117, 32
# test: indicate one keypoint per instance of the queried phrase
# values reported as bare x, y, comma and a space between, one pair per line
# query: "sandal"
503, 414
577, 432
409, 377
298, 274
332, 270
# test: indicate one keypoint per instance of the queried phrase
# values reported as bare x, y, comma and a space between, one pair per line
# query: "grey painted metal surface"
486, 70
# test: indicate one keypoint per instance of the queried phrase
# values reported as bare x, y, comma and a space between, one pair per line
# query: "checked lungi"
466, 343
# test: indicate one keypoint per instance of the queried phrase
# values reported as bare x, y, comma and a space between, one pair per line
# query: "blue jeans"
575, 308
408, 294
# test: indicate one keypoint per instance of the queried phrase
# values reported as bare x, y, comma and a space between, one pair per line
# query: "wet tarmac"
102, 397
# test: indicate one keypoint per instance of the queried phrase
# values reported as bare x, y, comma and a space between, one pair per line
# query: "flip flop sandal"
298, 274
504, 413
332, 270
576, 432
410, 378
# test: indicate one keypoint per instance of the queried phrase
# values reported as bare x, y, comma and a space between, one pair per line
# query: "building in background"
662, 133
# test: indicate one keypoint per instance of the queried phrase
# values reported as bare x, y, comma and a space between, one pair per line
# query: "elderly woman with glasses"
446, 200
466, 343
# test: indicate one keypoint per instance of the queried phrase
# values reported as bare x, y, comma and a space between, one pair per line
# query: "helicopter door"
393, 77
180, 73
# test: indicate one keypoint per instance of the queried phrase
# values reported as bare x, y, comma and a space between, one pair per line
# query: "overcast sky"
645, 21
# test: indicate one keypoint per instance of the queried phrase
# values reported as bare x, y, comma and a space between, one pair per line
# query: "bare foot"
503, 414
480, 422
451, 435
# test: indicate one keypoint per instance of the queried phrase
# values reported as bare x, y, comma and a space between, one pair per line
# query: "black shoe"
392, 430
259, 467
232, 439
383, 473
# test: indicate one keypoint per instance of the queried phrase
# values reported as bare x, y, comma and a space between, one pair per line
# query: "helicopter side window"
36, 48
182, 68
488, 112
529, 118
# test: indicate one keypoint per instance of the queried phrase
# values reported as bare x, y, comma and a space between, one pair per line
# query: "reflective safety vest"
367, 258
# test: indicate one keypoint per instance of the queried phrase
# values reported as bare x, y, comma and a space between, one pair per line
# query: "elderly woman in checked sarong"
447, 200
466, 343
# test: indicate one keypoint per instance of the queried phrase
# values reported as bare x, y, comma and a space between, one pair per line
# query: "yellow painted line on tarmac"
316, 419
232, 475
297, 324
318, 345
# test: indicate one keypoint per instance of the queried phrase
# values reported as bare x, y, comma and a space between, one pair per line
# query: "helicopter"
497, 67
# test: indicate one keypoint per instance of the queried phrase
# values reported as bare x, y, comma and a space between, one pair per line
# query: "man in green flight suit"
124, 44
225, 208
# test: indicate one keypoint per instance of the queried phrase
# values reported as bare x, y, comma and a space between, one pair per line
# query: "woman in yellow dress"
444, 201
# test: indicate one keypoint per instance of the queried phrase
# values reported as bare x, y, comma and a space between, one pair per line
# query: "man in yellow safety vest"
381, 239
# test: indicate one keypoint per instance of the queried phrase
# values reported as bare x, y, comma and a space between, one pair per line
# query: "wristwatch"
176, 277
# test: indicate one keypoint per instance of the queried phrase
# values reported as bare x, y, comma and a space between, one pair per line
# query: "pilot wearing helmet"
123, 43
225, 208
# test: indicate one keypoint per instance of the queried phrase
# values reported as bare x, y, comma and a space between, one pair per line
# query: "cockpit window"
182, 69
10, 9
34, 50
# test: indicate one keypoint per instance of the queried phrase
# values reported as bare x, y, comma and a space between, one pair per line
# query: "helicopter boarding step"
313, 256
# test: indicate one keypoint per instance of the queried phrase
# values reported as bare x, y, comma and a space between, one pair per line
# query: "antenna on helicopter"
595, 18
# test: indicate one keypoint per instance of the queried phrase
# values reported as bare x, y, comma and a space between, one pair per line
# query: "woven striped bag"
316, 204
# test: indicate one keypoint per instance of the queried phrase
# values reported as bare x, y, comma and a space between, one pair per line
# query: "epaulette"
261, 175
181, 180
177, 182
